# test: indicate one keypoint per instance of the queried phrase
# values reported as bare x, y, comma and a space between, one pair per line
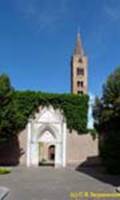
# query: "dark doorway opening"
51, 152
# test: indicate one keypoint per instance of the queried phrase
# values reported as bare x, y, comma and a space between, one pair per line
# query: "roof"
78, 48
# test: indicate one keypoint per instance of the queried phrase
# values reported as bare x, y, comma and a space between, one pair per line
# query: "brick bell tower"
79, 70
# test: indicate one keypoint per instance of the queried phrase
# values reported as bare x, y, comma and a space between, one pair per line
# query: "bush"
107, 122
4, 170
110, 152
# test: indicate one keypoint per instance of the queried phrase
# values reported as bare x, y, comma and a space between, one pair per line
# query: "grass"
5, 170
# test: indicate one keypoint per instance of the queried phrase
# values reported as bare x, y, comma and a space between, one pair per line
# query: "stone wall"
22, 138
80, 148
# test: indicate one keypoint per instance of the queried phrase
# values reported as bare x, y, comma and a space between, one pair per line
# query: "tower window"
80, 83
80, 71
80, 92
80, 60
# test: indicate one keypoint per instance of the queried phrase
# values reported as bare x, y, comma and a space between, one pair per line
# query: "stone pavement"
3, 192
47, 183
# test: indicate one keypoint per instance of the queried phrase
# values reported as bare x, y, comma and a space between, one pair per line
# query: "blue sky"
37, 38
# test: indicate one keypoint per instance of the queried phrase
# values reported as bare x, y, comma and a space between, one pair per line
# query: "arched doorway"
46, 154
47, 141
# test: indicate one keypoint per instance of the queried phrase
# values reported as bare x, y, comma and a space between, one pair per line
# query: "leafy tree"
6, 108
106, 113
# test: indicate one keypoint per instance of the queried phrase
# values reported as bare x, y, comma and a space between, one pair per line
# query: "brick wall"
80, 147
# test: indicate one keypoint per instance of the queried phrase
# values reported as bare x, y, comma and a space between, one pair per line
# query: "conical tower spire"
78, 48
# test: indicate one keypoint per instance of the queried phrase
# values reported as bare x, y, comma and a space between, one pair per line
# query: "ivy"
74, 107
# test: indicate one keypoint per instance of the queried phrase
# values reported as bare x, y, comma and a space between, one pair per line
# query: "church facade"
46, 140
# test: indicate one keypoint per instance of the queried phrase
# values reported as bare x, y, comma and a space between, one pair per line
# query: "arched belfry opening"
47, 138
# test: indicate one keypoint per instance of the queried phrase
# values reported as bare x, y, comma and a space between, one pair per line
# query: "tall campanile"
79, 69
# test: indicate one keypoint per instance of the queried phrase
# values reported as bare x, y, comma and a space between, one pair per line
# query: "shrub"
107, 122
4, 170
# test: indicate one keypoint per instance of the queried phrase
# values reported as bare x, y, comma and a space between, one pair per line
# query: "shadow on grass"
93, 168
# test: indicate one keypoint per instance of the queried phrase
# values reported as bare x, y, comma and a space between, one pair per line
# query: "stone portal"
46, 138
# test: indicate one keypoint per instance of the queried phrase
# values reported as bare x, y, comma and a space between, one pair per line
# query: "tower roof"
78, 48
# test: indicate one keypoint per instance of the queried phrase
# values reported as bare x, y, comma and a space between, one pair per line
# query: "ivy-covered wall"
75, 107
17, 106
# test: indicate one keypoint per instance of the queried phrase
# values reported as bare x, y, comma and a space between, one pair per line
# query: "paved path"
3, 192
52, 184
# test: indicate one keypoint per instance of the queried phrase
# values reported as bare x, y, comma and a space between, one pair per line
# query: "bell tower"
79, 71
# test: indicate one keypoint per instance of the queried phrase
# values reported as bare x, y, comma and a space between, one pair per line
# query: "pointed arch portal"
46, 141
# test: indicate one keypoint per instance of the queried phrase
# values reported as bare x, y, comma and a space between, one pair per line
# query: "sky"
37, 39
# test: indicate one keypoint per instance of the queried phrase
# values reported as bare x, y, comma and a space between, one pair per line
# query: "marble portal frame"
53, 122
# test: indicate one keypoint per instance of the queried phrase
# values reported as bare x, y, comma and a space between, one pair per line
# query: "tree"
106, 113
6, 108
